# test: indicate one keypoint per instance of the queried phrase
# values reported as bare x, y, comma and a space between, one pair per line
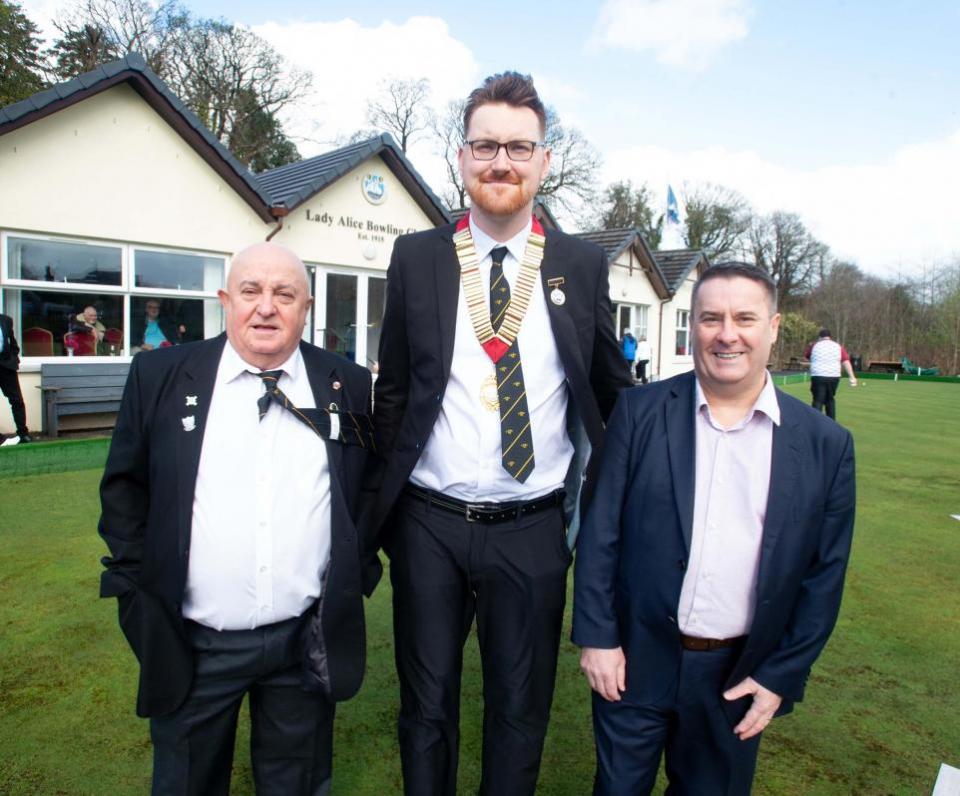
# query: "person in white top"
826, 358
498, 365
644, 353
712, 560
228, 501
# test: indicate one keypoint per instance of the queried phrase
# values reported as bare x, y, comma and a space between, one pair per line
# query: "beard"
500, 198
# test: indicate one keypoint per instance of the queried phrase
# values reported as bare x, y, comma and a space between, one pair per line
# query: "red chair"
114, 339
81, 344
37, 342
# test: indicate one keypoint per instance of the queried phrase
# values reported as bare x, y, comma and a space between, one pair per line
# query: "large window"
78, 263
376, 299
79, 298
683, 333
640, 319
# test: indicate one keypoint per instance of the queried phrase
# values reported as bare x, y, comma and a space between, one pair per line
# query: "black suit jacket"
10, 355
636, 541
416, 350
147, 513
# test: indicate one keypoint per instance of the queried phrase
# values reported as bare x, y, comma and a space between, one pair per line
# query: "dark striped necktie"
516, 437
350, 428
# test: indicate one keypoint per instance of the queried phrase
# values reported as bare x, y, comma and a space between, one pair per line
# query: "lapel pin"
191, 400
189, 422
557, 296
336, 385
334, 407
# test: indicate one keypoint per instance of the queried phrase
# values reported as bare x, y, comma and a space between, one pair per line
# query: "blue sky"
845, 112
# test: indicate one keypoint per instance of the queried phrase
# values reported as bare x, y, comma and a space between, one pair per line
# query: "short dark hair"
508, 88
733, 268
824, 333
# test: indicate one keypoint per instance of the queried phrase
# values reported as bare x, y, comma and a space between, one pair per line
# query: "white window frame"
684, 327
125, 289
360, 319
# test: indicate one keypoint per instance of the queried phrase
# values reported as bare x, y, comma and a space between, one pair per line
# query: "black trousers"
642, 370
512, 577
688, 725
10, 385
824, 388
291, 740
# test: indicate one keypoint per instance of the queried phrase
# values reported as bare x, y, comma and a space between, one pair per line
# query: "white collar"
233, 365
766, 402
484, 244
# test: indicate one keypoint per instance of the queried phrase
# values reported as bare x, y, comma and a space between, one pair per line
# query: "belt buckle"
467, 508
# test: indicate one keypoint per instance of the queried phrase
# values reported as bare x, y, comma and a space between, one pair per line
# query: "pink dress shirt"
730, 503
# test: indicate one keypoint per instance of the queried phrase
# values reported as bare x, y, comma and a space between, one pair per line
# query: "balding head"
265, 304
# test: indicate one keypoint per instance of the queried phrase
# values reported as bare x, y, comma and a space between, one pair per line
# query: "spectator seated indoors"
158, 332
88, 321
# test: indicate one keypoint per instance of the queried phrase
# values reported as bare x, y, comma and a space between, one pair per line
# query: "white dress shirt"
260, 539
730, 503
462, 457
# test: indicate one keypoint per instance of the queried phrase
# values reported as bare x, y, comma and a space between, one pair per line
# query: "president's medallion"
488, 394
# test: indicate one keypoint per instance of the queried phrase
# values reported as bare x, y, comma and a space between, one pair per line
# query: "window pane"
177, 271
56, 261
376, 298
341, 330
55, 324
164, 321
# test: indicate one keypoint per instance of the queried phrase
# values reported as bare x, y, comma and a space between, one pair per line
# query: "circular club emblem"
374, 189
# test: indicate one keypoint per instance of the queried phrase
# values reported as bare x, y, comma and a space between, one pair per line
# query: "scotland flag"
673, 212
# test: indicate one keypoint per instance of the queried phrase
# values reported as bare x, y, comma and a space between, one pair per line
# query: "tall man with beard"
498, 367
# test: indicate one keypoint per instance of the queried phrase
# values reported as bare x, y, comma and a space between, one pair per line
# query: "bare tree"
717, 220
447, 130
574, 163
131, 26
231, 78
401, 109
783, 246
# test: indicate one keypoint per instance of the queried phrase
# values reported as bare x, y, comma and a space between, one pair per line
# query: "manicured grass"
882, 711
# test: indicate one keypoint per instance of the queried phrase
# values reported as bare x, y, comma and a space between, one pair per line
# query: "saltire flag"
673, 211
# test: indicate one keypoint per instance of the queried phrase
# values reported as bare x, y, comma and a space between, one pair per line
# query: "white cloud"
683, 33
42, 13
900, 212
350, 62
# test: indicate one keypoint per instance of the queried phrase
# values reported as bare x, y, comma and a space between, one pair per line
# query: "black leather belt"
697, 644
486, 512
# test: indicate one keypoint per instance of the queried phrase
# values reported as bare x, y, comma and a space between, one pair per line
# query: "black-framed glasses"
516, 150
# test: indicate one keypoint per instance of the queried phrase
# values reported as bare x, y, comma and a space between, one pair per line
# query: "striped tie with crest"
516, 437
354, 428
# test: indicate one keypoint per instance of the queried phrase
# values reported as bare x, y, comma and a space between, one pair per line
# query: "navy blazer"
147, 514
416, 352
635, 543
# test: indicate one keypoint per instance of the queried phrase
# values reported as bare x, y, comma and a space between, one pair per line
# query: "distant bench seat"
80, 389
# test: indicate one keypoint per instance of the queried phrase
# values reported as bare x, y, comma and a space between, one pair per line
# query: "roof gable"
676, 265
133, 70
615, 241
294, 183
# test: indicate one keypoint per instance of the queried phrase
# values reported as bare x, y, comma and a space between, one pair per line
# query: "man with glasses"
498, 366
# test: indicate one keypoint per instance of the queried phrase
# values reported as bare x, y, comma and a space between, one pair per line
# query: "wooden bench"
80, 389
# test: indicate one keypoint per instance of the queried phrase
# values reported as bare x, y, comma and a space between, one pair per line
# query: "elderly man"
228, 503
498, 365
711, 564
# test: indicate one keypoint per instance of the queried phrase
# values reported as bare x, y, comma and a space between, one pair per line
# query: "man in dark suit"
498, 366
711, 563
10, 382
228, 502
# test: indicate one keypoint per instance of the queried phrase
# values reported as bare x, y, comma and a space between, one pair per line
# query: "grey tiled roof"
296, 182
676, 265
133, 69
612, 241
